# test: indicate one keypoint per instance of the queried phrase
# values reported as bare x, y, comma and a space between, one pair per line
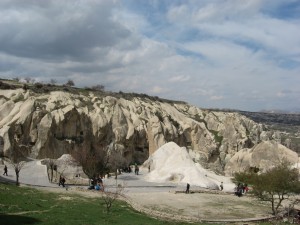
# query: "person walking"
187, 188
221, 186
62, 181
136, 169
5, 170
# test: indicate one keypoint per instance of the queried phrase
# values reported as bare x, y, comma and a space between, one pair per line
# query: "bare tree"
70, 83
109, 197
94, 162
18, 165
52, 166
27, 79
53, 81
98, 87
17, 160
116, 162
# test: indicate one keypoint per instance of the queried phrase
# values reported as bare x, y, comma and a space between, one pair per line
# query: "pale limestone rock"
7, 148
264, 156
26, 111
99, 122
10, 94
155, 134
119, 125
5, 109
58, 123
2, 101
11, 115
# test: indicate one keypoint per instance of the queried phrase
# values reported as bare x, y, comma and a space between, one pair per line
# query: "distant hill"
268, 117
273, 118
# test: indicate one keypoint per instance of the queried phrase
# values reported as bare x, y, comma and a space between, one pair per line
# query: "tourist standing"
221, 186
136, 169
62, 181
5, 170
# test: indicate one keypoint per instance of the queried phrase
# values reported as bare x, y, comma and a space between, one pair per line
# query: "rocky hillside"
287, 125
42, 124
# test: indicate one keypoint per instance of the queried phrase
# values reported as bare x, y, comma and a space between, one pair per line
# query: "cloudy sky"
239, 54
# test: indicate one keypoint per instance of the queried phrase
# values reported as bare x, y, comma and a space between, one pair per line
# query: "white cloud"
216, 98
209, 53
194, 12
281, 94
157, 90
180, 78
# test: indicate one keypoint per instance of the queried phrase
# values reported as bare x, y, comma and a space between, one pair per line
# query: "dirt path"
202, 206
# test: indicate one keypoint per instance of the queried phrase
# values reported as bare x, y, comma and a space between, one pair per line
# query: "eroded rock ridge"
56, 123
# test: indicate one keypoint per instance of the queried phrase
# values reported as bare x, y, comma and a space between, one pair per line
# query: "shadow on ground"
17, 219
4, 179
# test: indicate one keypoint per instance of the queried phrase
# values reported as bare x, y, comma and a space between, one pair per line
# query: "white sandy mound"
171, 163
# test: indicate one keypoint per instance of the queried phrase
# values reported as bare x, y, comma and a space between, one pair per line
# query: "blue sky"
210, 53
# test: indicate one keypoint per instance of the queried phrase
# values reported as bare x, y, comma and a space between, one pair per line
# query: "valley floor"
163, 200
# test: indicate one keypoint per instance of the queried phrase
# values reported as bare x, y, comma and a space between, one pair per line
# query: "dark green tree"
275, 185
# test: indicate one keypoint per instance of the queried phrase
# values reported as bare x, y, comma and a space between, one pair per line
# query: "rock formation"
263, 156
48, 125
173, 164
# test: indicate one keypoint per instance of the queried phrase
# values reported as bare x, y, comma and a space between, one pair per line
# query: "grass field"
21, 205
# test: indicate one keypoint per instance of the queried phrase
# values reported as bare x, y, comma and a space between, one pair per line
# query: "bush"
274, 186
38, 85
4, 85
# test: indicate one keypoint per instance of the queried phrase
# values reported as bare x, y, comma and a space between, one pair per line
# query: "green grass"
21, 205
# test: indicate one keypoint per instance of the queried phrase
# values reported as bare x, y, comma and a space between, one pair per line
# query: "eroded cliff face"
50, 125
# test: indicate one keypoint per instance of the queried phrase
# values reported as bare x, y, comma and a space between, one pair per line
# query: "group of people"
241, 189
96, 184
136, 169
297, 218
127, 169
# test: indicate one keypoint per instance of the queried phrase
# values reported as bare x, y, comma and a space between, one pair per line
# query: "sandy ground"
166, 200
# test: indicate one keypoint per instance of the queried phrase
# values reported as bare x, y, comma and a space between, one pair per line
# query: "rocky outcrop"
262, 157
50, 125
